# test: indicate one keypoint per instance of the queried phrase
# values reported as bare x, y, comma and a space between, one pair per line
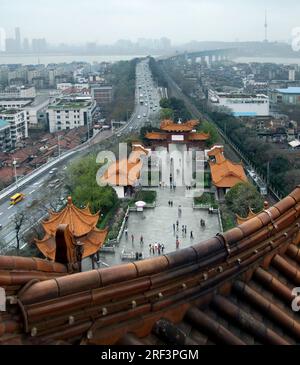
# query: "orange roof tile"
125, 172
170, 126
90, 243
81, 226
225, 174
199, 136
156, 136
80, 221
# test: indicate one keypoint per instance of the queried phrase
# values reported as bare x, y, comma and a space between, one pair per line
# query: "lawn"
206, 199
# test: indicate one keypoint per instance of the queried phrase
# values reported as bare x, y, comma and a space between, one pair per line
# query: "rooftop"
3, 123
70, 104
234, 289
289, 90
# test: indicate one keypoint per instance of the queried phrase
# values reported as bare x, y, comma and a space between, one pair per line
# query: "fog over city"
105, 22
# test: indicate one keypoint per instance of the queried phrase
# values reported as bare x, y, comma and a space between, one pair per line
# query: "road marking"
41, 185
35, 184
10, 207
32, 192
11, 216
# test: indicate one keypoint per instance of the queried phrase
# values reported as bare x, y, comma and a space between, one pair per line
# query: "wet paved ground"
156, 226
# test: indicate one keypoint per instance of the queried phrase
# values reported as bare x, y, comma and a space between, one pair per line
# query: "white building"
18, 93
240, 105
69, 113
5, 136
18, 123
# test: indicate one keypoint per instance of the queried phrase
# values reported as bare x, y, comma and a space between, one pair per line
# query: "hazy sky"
105, 21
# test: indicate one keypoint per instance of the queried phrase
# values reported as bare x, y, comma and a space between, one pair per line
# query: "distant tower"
18, 38
266, 27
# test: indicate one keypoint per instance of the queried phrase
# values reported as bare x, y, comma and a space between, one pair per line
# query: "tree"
166, 113
243, 197
19, 220
208, 127
83, 187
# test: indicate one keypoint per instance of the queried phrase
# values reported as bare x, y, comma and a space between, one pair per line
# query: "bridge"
209, 56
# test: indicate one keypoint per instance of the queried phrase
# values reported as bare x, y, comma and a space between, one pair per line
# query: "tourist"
136, 256
126, 233
185, 230
179, 211
159, 248
132, 239
160, 184
156, 248
142, 240
192, 235
153, 251
177, 225
162, 248
177, 244
150, 248
174, 227
172, 203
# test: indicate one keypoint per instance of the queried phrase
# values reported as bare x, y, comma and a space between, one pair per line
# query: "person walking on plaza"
174, 227
177, 244
192, 235
142, 240
185, 230
126, 234
179, 211
150, 249
177, 225
132, 239
159, 248
162, 248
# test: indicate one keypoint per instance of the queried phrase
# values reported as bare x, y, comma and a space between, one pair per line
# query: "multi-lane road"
48, 186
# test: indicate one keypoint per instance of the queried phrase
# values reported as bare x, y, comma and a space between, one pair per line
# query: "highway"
47, 190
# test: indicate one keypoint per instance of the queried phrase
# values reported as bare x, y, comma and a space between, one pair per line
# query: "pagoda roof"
157, 136
126, 172
170, 126
199, 136
82, 229
235, 288
225, 173
91, 243
80, 221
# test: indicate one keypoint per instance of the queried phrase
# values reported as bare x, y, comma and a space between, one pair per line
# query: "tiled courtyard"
156, 226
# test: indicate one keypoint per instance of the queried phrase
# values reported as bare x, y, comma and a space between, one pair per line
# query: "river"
278, 60
45, 59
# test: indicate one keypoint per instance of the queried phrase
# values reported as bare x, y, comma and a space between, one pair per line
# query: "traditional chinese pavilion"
124, 175
225, 173
235, 288
70, 231
182, 133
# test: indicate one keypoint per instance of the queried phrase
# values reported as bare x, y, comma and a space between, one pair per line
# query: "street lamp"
15, 171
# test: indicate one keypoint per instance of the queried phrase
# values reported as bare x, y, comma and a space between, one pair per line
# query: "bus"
16, 198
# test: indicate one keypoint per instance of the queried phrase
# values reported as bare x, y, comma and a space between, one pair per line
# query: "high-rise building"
39, 45
26, 45
18, 39
10, 45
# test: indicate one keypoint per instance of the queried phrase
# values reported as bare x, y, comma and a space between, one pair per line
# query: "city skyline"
228, 20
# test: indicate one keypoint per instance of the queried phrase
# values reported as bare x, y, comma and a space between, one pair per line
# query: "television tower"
266, 27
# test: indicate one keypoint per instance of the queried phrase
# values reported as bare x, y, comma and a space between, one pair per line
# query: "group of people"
188, 187
171, 203
133, 238
156, 249
202, 223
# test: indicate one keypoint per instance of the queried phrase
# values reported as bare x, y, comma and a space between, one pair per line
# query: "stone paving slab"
156, 226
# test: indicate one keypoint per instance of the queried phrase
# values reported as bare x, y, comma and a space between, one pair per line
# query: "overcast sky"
105, 21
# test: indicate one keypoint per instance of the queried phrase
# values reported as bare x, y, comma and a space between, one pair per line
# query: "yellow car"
16, 198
